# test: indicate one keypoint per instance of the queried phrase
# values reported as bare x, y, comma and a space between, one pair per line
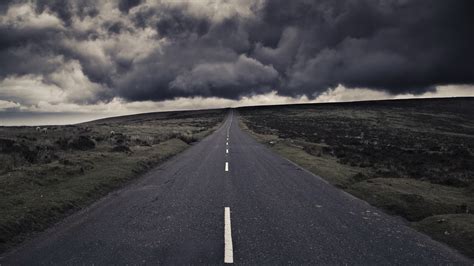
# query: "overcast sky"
91, 58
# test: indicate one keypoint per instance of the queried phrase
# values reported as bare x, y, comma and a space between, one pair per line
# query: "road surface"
230, 199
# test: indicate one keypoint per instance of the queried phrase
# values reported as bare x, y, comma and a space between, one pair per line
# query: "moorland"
412, 158
48, 172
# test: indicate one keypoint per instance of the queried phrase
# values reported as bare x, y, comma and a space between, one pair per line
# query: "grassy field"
48, 172
413, 158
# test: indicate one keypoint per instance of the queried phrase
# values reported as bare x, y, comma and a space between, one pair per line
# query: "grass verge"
34, 204
457, 230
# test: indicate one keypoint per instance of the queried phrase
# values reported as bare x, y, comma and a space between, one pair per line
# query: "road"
231, 199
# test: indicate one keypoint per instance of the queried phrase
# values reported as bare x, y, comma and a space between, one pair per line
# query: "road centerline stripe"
228, 248
226, 166
226, 150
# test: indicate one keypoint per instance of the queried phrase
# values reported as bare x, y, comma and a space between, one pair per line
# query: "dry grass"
457, 230
46, 176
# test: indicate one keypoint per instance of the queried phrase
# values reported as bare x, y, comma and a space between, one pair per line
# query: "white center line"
226, 166
227, 143
228, 249
226, 150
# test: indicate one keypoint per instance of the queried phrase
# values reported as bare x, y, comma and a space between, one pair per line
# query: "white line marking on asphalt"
226, 166
226, 150
227, 143
228, 249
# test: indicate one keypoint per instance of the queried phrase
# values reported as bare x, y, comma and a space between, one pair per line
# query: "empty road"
230, 199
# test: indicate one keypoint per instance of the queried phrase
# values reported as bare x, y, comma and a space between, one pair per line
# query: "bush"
120, 139
6, 145
82, 143
121, 148
188, 138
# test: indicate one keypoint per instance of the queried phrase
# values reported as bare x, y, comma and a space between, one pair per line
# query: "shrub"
121, 148
82, 143
6, 145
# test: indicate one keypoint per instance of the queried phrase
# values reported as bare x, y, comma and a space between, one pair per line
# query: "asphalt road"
231, 199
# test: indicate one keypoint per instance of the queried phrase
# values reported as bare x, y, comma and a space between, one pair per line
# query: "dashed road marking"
228, 248
226, 166
226, 150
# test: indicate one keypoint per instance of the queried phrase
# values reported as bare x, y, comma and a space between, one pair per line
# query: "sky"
69, 61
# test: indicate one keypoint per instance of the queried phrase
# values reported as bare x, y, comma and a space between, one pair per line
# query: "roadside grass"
457, 230
31, 203
424, 173
323, 165
49, 176
412, 199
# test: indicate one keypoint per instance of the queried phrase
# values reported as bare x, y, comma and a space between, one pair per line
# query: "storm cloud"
151, 50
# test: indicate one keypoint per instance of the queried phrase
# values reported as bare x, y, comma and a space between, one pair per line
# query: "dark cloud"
226, 79
175, 23
4, 5
125, 5
398, 46
143, 51
63, 9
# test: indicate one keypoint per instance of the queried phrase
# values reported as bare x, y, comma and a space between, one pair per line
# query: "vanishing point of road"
229, 199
